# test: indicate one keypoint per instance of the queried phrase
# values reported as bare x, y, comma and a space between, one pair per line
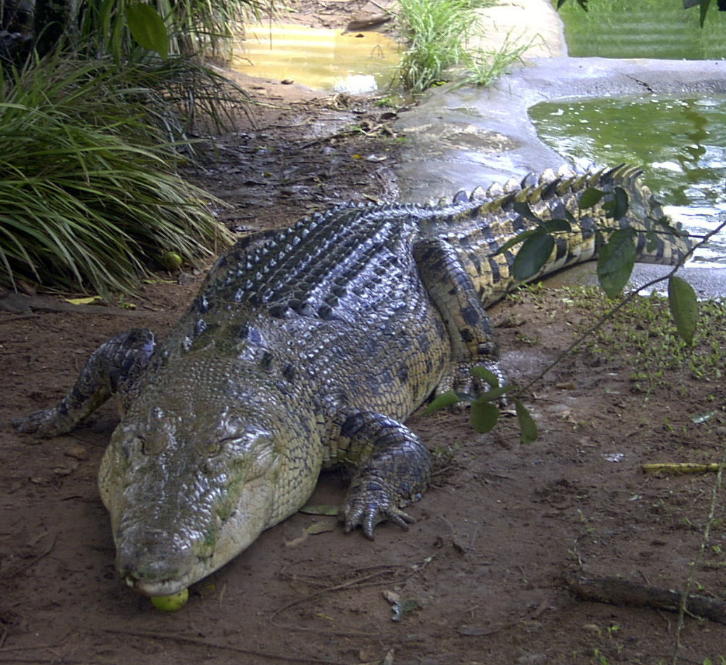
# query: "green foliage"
483, 67
703, 6
684, 307
87, 178
119, 27
533, 255
615, 261
483, 414
437, 32
147, 28
644, 338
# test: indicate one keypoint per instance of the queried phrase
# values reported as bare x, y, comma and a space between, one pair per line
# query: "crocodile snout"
154, 562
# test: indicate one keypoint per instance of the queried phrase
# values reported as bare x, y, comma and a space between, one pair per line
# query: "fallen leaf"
84, 301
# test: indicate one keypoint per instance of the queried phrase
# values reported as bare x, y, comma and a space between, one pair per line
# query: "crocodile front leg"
112, 368
392, 467
454, 295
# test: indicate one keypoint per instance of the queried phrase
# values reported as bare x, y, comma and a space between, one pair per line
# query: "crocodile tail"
480, 227
659, 239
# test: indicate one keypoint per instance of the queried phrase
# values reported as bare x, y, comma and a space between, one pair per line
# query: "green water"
643, 29
681, 144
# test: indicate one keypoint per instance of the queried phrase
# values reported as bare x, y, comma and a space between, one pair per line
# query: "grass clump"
644, 338
90, 196
438, 32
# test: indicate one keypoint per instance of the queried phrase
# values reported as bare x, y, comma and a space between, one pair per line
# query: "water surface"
680, 143
355, 62
643, 29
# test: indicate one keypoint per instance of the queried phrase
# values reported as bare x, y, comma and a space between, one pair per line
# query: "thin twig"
702, 548
360, 583
179, 637
34, 560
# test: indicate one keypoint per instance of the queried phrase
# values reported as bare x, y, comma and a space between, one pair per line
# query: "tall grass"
438, 33
88, 190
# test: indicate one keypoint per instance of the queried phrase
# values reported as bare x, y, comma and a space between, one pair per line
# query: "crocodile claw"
368, 510
43, 423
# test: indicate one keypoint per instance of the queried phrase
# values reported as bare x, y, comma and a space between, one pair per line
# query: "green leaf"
483, 416
590, 197
449, 398
523, 209
616, 260
532, 256
555, 225
684, 307
516, 240
482, 372
147, 28
494, 393
320, 510
527, 426
687, 4
618, 205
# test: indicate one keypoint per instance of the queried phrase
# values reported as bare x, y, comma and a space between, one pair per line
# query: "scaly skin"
308, 348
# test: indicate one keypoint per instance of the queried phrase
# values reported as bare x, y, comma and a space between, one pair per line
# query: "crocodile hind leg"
112, 368
393, 468
454, 295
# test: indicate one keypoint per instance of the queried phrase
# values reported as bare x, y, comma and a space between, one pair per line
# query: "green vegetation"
644, 337
93, 125
87, 178
438, 32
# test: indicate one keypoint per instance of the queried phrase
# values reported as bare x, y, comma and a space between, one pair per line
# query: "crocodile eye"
211, 448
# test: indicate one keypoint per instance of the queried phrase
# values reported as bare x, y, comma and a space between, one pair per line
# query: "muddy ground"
479, 575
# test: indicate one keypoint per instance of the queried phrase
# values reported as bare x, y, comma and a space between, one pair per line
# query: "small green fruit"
171, 603
172, 261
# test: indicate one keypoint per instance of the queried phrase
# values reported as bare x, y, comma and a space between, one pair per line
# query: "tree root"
617, 591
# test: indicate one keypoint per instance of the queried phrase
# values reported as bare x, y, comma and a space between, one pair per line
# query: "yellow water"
319, 58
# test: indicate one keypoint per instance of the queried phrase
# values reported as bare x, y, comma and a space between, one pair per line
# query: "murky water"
643, 29
316, 57
681, 144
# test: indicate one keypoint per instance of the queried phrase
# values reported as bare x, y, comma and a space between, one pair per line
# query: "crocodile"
308, 348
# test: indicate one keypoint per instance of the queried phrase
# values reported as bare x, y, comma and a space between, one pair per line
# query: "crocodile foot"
45, 423
368, 505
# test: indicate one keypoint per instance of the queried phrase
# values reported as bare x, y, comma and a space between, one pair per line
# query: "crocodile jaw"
156, 562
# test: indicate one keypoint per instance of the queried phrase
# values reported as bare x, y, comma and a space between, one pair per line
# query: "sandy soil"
478, 577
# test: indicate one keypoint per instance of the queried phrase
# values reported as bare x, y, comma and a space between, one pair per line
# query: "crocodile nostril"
152, 556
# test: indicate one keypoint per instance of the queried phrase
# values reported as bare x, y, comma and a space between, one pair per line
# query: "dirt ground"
477, 579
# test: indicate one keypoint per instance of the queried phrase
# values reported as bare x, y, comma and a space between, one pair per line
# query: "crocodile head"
190, 479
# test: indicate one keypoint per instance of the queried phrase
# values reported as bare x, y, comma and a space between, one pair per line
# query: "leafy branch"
616, 259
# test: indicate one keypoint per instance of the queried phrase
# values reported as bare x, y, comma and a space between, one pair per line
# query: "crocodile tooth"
460, 197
